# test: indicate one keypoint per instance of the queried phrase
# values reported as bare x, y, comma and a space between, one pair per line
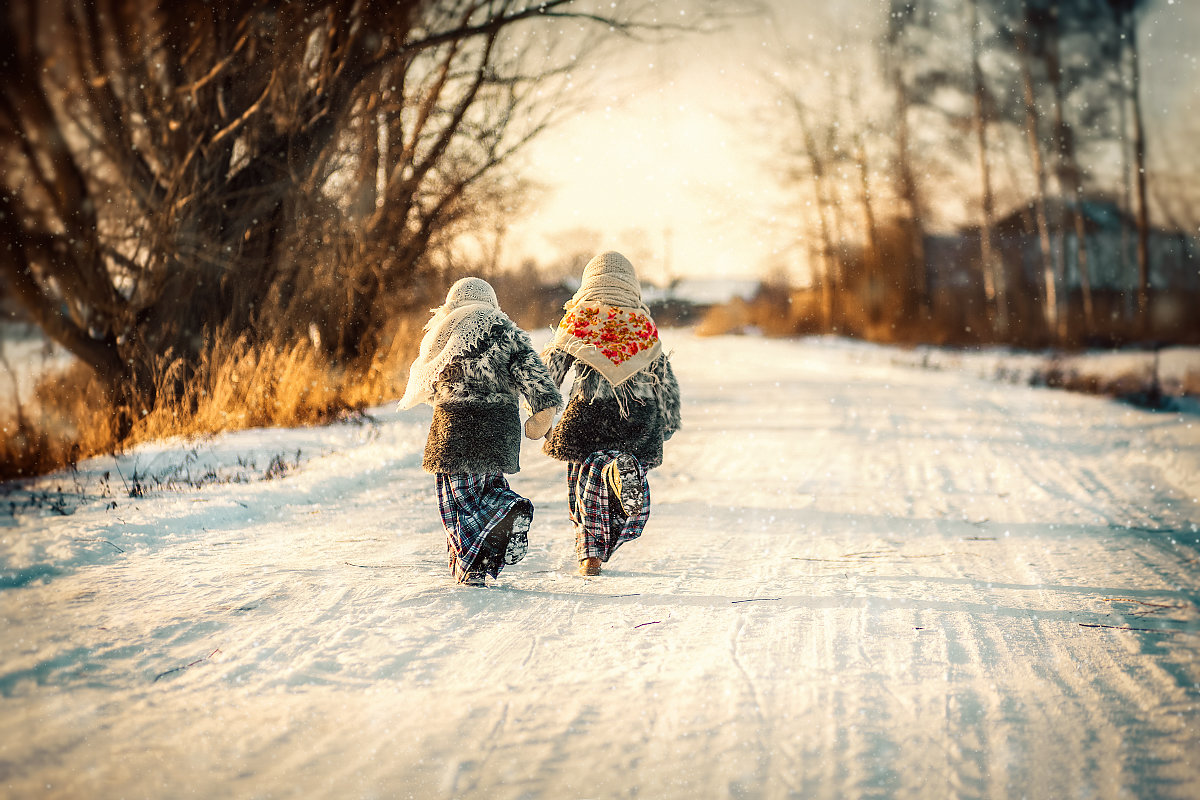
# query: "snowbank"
1167, 378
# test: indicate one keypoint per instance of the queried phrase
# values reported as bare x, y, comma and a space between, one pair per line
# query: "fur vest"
476, 425
637, 420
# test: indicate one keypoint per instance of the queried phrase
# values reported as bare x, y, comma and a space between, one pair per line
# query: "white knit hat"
470, 311
609, 278
607, 326
470, 290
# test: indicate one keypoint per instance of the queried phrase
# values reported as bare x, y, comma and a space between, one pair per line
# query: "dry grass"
235, 386
55, 431
957, 319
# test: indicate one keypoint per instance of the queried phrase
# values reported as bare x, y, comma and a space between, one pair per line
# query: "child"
624, 404
472, 365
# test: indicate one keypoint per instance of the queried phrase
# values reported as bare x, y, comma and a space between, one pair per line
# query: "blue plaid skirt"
600, 528
486, 522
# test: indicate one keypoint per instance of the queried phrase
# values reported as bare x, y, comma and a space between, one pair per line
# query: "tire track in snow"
762, 745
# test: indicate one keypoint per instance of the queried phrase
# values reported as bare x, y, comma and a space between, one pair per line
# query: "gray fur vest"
476, 426
635, 418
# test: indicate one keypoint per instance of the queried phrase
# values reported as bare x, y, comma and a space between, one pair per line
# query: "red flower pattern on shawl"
619, 333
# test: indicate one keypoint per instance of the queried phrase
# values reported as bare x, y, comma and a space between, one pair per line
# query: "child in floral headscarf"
473, 364
624, 403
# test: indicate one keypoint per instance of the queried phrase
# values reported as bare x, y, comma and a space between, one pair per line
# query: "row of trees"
173, 171
1010, 102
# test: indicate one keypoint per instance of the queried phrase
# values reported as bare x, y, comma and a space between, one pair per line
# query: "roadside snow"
860, 578
1175, 371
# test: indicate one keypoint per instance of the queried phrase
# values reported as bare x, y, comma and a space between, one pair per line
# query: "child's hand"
539, 424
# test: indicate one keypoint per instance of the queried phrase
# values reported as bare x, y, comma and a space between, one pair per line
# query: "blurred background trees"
1032, 111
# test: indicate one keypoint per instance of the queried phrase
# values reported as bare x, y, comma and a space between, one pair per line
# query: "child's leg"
587, 543
605, 524
449, 513
486, 524
573, 469
625, 480
507, 541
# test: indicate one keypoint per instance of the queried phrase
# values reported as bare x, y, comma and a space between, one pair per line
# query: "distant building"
1110, 235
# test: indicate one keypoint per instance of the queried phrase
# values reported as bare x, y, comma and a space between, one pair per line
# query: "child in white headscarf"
473, 364
624, 404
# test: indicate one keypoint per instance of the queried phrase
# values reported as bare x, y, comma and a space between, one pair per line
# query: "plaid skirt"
479, 512
600, 528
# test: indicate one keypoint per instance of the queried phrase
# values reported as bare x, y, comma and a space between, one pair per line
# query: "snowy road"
859, 580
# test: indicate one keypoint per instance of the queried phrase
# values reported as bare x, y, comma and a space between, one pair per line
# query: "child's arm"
532, 378
667, 392
538, 424
558, 363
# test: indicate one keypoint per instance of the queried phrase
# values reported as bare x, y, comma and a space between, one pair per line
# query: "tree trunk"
121, 369
872, 265
908, 188
817, 170
995, 281
1081, 261
1049, 278
1139, 155
1129, 298
1067, 169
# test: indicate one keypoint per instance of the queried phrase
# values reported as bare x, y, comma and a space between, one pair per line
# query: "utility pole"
667, 256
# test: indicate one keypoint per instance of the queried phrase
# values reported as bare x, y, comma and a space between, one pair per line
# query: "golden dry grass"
234, 386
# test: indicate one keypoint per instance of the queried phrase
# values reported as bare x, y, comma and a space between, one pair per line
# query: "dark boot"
516, 544
589, 566
477, 575
621, 475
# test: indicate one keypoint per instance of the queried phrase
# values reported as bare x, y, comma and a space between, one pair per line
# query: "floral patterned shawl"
617, 342
606, 325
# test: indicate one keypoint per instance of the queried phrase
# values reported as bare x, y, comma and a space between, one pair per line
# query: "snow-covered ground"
860, 578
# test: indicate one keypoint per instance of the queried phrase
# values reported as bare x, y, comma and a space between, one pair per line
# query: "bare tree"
905, 14
1125, 15
815, 159
1024, 39
1067, 171
995, 280
172, 170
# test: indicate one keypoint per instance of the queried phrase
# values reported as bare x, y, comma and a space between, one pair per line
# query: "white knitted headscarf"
609, 278
470, 311
606, 319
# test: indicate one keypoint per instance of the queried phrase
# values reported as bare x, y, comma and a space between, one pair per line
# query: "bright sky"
661, 163
659, 166
671, 150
